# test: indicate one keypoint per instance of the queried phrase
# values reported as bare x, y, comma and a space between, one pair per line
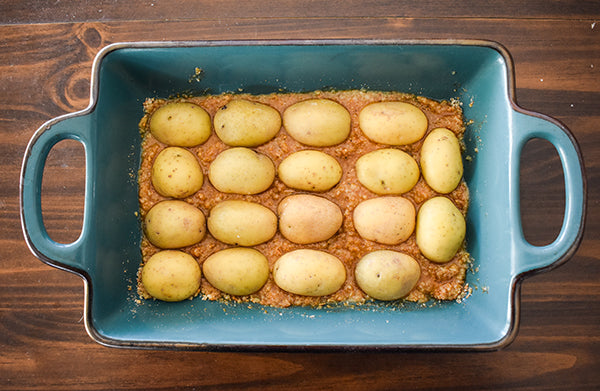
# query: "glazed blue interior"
128, 76
108, 250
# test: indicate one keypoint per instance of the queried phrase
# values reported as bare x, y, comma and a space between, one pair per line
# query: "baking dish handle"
528, 125
65, 256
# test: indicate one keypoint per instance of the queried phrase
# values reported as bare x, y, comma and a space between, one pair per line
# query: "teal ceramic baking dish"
107, 254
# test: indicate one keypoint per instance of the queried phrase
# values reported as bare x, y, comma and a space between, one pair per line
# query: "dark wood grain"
18, 12
46, 52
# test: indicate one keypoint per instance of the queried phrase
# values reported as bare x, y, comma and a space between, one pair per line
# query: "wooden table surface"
46, 52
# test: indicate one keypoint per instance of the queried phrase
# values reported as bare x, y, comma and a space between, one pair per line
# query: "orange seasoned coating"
438, 281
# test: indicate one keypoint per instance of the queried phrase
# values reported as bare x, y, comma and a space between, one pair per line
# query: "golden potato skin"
393, 123
349, 243
181, 124
242, 171
176, 173
171, 275
310, 170
440, 229
174, 224
386, 220
387, 171
242, 123
242, 223
237, 271
387, 275
317, 122
306, 218
309, 273
441, 160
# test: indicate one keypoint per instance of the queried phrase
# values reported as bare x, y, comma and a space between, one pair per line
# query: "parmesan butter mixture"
438, 281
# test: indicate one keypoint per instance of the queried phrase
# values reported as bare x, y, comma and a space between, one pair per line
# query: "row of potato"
301, 218
176, 172
173, 275
243, 124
